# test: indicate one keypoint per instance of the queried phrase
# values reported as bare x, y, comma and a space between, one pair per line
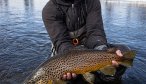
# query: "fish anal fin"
89, 77
49, 82
108, 70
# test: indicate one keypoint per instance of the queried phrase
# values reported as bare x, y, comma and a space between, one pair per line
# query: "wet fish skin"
76, 61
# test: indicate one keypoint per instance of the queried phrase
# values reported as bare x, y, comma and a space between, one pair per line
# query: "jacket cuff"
101, 47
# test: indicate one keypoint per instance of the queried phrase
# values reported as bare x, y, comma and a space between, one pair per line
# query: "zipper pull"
72, 5
78, 19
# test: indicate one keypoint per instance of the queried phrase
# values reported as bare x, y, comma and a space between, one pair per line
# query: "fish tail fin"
127, 59
129, 54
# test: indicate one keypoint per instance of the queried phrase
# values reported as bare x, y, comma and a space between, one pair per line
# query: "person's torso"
74, 13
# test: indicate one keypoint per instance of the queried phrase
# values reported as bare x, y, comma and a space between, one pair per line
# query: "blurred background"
24, 42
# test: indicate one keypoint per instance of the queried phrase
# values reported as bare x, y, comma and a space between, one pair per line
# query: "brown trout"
79, 62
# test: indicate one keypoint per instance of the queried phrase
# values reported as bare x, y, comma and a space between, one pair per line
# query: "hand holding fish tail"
120, 69
119, 53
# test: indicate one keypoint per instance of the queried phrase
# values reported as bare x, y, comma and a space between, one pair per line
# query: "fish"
79, 62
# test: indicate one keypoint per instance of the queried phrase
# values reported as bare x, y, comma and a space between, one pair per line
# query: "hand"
118, 52
69, 76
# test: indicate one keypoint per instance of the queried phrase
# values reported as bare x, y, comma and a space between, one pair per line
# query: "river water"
24, 42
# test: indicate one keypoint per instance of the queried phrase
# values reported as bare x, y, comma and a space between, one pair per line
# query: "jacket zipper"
78, 19
73, 14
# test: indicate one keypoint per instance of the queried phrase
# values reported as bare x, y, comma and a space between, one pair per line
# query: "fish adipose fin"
108, 70
127, 59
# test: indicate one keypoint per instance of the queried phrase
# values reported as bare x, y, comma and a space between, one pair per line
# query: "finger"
68, 76
119, 53
64, 77
115, 64
74, 75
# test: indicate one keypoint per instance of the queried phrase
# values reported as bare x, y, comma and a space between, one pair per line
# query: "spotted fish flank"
79, 62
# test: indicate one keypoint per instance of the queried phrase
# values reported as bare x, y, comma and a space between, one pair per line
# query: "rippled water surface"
24, 42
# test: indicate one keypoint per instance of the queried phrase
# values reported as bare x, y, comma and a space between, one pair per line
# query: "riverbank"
126, 1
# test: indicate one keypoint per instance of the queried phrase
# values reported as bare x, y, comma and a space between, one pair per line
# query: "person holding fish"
77, 24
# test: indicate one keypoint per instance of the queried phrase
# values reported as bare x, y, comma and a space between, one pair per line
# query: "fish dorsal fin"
108, 70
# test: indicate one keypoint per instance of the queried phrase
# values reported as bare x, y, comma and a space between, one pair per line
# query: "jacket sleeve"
94, 25
56, 27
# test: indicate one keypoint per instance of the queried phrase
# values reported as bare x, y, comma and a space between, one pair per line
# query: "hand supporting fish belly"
79, 62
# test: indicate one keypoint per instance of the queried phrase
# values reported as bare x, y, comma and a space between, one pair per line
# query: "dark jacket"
64, 16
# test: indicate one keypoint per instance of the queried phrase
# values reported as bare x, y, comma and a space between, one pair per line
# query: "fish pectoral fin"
89, 77
108, 70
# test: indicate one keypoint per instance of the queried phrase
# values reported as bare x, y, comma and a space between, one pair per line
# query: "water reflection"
28, 4
124, 16
4, 2
133, 2
23, 39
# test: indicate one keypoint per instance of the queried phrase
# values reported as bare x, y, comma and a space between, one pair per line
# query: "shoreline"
126, 1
